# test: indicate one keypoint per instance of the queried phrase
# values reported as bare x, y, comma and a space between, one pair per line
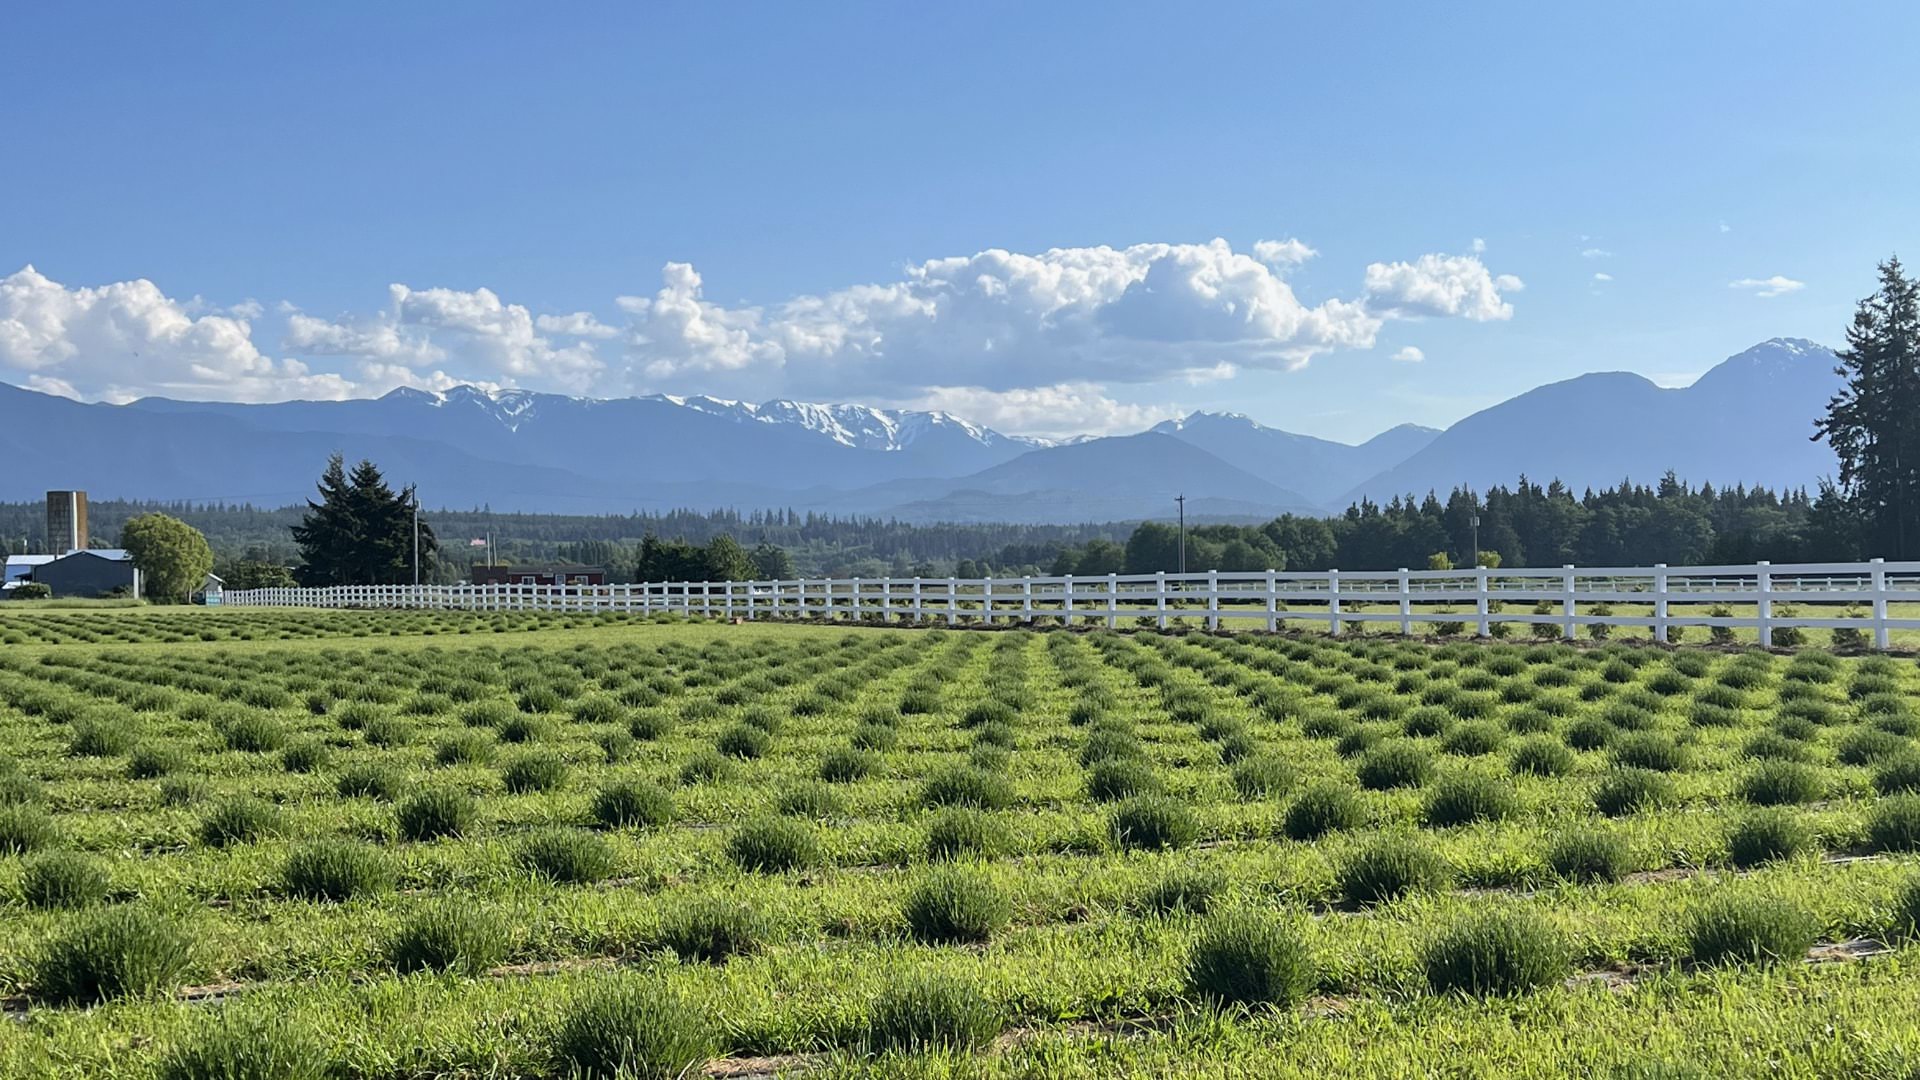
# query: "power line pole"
416, 539
1474, 559
1182, 500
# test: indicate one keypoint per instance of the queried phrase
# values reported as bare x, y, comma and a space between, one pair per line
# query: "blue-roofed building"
19, 571
90, 573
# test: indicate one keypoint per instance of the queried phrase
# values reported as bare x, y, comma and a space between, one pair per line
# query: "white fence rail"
1830, 595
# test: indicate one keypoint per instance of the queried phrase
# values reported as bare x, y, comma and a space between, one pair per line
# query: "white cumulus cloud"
1282, 254
121, 341
1776, 285
1409, 354
1440, 285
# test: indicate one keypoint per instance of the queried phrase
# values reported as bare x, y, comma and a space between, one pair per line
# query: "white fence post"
1660, 602
1406, 604
953, 601
1880, 635
1113, 601
1480, 599
1066, 602
917, 614
886, 600
1026, 600
1763, 581
986, 600
1273, 600
1333, 602
1160, 600
1213, 599
1566, 602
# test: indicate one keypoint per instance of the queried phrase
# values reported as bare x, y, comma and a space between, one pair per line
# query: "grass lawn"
282, 843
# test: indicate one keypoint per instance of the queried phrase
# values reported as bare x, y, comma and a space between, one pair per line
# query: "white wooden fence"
1762, 597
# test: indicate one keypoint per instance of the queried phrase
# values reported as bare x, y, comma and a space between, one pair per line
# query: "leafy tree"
771, 563
171, 554
726, 560
361, 532
1439, 560
255, 574
1873, 423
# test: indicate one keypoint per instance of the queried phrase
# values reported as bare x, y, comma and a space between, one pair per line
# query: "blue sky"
858, 202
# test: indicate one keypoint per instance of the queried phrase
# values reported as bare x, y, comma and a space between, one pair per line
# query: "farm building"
540, 574
90, 573
20, 570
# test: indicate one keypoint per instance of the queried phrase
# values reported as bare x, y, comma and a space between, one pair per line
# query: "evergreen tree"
771, 563
361, 532
1873, 423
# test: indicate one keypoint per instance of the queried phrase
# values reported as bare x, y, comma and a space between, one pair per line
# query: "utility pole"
1182, 500
1474, 559
416, 539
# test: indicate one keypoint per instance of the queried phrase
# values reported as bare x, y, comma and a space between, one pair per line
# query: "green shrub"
1865, 746
1472, 740
114, 952
743, 741
848, 764
252, 732
956, 904
1183, 889
182, 790
435, 813
1390, 867
628, 1028
1396, 764
521, 730
1765, 836
1589, 854
449, 935
1541, 756
1748, 928
305, 756
960, 831
1264, 775
808, 799
774, 845
464, 748
62, 879
239, 820
1627, 791
335, 870
1121, 778
1153, 822
649, 726
1906, 911
1650, 750
1894, 823
1591, 733
630, 803
964, 785
1323, 808
1495, 952
565, 856
1775, 746
246, 1047
1785, 783
704, 766
25, 828
387, 732
1109, 745
371, 780
537, 770
713, 930
925, 1011
153, 761
1250, 958
871, 736
1898, 774
1468, 797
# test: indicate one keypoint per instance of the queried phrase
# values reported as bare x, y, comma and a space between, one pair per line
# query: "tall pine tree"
361, 532
1873, 423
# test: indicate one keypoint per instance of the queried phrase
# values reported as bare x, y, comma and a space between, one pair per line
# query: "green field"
408, 844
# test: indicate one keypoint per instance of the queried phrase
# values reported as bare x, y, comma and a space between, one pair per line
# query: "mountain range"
1745, 421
